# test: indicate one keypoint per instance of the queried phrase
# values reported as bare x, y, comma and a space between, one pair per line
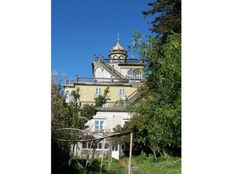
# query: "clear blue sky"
82, 28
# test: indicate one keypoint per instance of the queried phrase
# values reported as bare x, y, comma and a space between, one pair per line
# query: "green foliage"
75, 94
120, 102
101, 99
88, 111
59, 119
122, 140
136, 43
70, 114
59, 109
166, 17
156, 120
106, 91
74, 110
66, 115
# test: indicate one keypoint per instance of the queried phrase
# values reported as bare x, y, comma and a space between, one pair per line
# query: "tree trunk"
164, 153
154, 152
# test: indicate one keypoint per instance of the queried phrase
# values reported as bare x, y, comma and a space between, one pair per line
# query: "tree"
66, 115
59, 119
166, 17
156, 120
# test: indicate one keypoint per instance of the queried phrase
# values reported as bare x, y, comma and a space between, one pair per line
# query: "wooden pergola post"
130, 155
102, 157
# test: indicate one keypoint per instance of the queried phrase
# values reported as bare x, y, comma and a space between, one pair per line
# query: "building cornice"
103, 84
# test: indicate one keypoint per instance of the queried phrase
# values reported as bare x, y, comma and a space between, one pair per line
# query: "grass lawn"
141, 165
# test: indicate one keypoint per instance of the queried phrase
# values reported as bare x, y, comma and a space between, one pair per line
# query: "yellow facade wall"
88, 92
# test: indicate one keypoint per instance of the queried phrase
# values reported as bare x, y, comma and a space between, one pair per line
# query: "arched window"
130, 74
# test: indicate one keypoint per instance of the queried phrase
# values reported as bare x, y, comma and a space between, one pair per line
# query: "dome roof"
118, 49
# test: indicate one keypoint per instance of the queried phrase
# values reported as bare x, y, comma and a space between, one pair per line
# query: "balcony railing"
113, 105
99, 80
119, 104
124, 61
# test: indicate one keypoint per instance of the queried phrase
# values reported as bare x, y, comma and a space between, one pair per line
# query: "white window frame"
98, 91
98, 127
121, 92
139, 75
88, 144
130, 74
100, 145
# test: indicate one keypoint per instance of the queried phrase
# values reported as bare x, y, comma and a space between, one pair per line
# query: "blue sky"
82, 28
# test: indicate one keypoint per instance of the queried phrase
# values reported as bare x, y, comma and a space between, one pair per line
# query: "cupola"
118, 53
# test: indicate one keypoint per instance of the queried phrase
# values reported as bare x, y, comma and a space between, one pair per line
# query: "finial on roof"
118, 37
